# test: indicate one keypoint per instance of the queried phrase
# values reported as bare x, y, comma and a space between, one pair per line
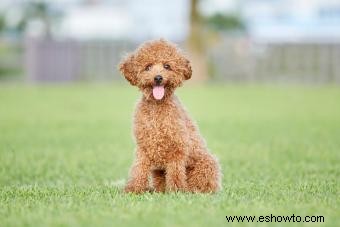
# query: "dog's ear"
129, 69
187, 71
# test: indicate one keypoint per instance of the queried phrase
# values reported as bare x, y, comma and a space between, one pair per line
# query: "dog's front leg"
176, 176
138, 180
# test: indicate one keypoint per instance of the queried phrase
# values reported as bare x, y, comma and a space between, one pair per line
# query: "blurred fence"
48, 60
230, 60
305, 62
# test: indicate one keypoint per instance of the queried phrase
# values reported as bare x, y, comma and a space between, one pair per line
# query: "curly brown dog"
169, 145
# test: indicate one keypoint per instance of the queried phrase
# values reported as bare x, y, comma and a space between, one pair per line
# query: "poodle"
171, 155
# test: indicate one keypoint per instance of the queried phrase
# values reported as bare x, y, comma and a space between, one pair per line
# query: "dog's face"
157, 68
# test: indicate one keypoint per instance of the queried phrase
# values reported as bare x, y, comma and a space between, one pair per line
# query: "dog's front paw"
176, 186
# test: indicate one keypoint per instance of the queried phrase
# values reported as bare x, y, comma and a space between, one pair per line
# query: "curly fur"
170, 150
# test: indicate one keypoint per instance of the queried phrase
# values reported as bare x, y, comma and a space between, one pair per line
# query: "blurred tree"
221, 22
41, 11
196, 43
2, 23
196, 26
204, 31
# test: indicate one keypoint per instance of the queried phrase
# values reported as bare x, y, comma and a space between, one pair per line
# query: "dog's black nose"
158, 79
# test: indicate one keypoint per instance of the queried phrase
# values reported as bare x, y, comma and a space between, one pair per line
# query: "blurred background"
270, 41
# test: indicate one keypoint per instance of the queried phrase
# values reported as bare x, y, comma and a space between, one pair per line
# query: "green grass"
65, 152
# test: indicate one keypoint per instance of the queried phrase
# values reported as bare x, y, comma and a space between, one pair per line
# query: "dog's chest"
159, 131
155, 124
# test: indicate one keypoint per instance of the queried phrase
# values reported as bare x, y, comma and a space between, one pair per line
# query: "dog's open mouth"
158, 91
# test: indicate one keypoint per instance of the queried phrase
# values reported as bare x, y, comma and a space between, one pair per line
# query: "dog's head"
157, 68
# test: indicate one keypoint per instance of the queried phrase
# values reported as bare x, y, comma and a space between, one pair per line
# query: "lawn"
65, 152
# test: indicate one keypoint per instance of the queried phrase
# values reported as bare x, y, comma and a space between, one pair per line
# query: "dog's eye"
148, 67
167, 66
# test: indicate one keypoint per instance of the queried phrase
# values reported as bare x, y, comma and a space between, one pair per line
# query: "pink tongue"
158, 92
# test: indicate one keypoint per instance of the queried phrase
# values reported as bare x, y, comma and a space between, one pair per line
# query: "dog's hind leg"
204, 175
158, 180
